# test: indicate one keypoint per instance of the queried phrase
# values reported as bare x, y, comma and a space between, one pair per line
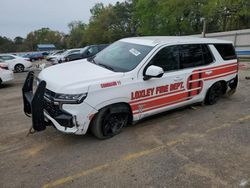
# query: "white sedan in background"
5, 76
61, 57
16, 63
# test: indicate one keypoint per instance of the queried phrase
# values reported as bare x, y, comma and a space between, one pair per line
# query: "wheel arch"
125, 104
19, 64
224, 85
223, 91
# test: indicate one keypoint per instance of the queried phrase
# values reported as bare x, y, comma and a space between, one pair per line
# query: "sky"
19, 17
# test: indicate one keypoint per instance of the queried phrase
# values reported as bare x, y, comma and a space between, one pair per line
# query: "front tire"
107, 124
19, 68
214, 93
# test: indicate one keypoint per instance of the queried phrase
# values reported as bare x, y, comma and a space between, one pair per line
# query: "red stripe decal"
163, 105
165, 94
158, 102
219, 76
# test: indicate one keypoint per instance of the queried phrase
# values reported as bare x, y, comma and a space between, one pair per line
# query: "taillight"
4, 67
238, 64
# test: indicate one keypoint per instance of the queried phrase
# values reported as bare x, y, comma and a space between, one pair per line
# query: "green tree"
44, 36
224, 15
76, 36
110, 23
6, 45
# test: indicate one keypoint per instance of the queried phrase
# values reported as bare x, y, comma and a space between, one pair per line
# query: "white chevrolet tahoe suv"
131, 79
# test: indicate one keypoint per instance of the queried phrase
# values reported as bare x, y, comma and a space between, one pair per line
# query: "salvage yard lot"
200, 146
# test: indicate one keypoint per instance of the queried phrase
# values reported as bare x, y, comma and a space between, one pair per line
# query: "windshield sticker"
134, 52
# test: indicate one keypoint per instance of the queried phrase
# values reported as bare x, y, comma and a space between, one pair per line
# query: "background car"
16, 63
3, 65
86, 52
54, 55
5, 76
36, 56
61, 57
45, 54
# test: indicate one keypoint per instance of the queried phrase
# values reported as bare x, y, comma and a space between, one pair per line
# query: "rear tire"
107, 124
19, 68
214, 93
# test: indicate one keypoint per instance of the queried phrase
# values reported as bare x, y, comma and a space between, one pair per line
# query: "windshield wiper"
106, 66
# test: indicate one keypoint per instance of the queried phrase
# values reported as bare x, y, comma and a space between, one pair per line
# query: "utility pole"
204, 28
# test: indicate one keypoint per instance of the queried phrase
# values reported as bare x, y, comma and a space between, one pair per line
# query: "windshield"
65, 53
84, 49
122, 56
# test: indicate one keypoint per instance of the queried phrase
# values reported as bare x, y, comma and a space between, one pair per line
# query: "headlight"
70, 98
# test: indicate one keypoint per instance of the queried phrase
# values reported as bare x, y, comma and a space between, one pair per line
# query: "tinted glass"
208, 57
226, 51
122, 56
167, 58
191, 55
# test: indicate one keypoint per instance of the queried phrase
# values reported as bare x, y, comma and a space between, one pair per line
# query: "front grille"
62, 117
51, 108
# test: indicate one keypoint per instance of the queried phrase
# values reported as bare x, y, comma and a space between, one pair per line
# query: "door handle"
178, 78
208, 72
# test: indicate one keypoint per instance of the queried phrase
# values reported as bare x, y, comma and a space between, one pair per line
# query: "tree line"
137, 18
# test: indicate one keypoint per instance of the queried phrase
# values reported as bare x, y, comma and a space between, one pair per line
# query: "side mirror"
153, 72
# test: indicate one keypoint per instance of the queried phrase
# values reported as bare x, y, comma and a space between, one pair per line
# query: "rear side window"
191, 55
194, 55
226, 51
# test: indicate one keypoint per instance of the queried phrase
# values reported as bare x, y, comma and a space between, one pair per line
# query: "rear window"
226, 51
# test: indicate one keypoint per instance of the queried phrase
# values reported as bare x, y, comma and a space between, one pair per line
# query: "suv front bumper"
43, 110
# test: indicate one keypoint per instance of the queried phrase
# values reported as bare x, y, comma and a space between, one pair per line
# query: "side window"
74, 51
7, 57
226, 51
191, 55
208, 57
167, 58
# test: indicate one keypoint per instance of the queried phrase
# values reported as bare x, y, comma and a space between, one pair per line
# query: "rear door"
193, 59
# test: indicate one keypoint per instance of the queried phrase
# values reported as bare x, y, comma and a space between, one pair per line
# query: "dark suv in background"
86, 52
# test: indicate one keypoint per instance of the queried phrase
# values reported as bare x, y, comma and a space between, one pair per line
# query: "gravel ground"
200, 146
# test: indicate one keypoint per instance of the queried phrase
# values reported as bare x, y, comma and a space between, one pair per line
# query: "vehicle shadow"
3, 86
88, 138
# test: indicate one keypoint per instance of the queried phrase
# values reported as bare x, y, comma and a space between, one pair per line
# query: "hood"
74, 77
